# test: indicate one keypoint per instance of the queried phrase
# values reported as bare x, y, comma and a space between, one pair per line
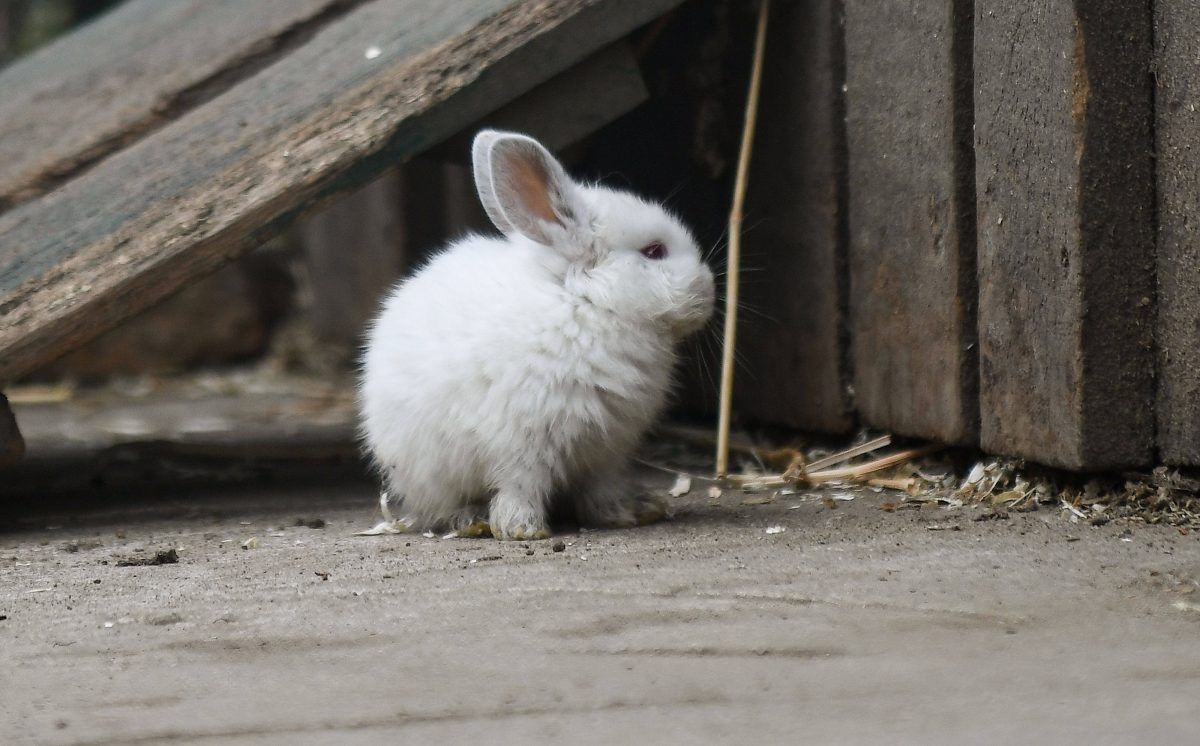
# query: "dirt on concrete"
800, 619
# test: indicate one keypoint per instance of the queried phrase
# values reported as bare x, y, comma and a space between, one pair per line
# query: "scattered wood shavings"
1072, 509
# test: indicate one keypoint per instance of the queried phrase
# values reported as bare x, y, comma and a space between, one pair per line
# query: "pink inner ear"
531, 183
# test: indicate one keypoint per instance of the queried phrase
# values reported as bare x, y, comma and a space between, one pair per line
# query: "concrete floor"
853, 625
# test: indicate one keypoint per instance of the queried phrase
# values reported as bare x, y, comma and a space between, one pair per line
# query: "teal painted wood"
326, 118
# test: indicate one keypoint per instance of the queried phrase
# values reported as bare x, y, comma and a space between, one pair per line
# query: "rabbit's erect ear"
526, 191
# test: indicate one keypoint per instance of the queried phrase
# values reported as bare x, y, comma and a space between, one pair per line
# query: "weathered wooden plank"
70, 104
12, 445
1066, 249
911, 216
328, 117
791, 338
566, 108
1177, 130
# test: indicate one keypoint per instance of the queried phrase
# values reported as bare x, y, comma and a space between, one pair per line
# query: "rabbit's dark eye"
654, 250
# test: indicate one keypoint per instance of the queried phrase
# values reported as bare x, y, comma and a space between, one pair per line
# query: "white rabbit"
509, 372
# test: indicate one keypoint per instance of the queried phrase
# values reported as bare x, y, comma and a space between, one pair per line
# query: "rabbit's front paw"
514, 519
649, 509
520, 532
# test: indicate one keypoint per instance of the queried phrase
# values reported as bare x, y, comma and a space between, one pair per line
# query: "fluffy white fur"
509, 371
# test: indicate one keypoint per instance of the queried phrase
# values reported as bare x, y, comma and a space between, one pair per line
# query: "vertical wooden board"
1177, 129
353, 250
791, 333
1066, 252
12, 446
911, 216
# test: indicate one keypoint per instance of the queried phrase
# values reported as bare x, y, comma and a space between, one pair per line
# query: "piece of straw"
840, 457
735, 242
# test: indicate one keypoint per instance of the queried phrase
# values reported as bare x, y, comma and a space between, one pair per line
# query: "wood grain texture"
12, 445
323, 120
1066, 239
911, 217
790, 339
1177, 129
79, 99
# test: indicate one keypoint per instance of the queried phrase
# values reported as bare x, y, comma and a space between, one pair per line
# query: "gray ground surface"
854, 625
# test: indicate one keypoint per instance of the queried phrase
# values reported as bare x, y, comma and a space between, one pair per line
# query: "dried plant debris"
789, 468
931, 477
1165, 495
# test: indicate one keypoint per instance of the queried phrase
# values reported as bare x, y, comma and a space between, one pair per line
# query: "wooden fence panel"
912, 230
792, 331
1066, 252
1177, 129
